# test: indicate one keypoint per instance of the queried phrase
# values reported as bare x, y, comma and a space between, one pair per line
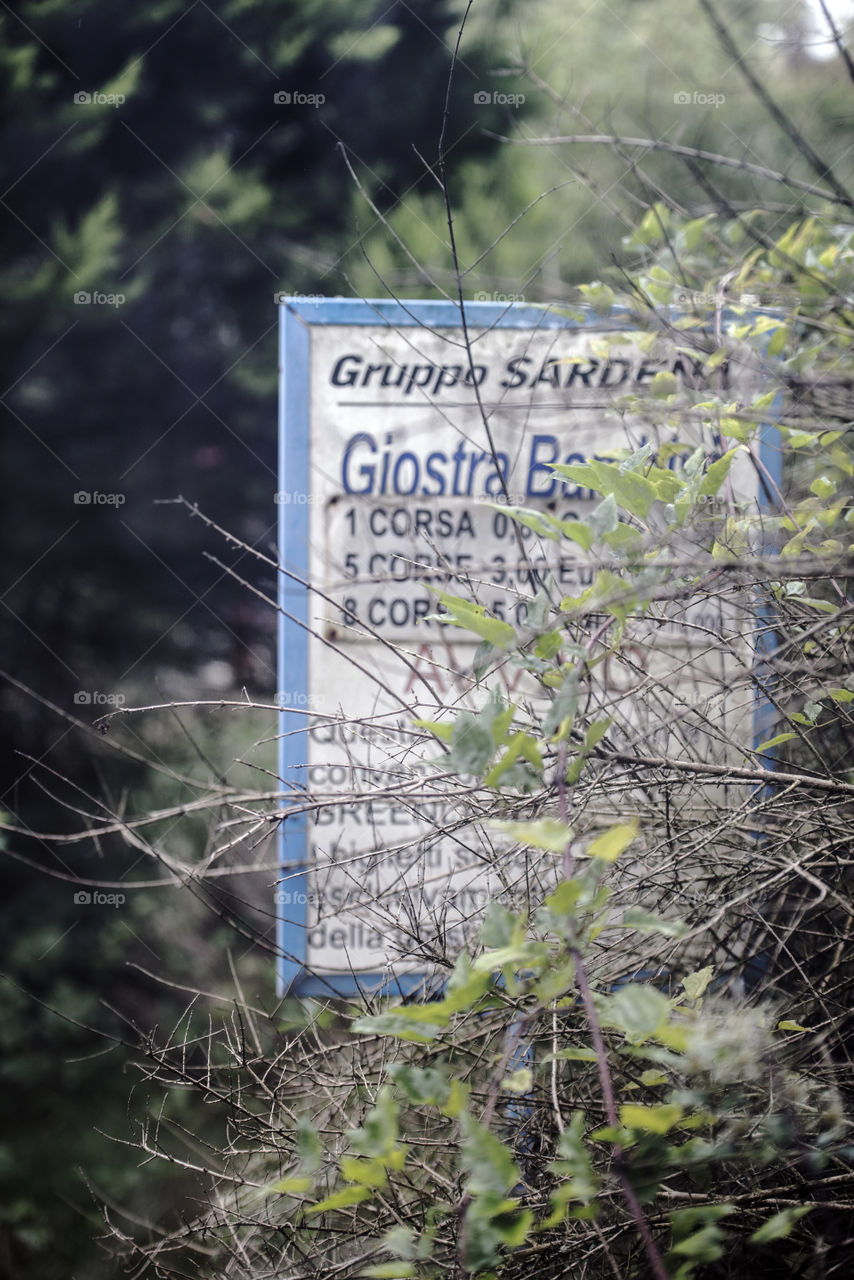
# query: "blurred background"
168, 168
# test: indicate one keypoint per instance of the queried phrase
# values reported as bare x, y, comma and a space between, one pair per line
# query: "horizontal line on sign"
469, 404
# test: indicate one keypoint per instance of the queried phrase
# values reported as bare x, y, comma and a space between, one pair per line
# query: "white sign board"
398, 451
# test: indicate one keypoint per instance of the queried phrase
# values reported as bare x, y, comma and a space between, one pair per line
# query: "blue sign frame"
297, 316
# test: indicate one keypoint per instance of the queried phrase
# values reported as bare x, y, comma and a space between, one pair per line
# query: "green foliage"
685, 1072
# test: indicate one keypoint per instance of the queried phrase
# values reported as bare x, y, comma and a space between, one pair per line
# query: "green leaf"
444, 730
658, 1119
577, 531
799, 439
513, 1228
308, 1146
624, 538
652, 1077
540, 833
457, 1099
684, 1221
823, 487
778, 340
539, 521
394, 1024
633, 492
389, 1271
548, 645
403, 1242
521, 1081
422, 1085
365, 1172
692, 232
463, 990
294, 1185
501, 724
609, 846
637, 1010
421, 1023
499, 926
573, 1161
704, 1245
473, 617
565, 898
775, 742
492, 1224
780, 1225
695, 984
519, 955
647, 922
663, 384
484, 656
340, 1200
787, 1025
521, 745
378, 1133
665, 483
486, 1160
571, 1054
596, 732
718, 471
600, 296
472, 744
603, 519
562, 711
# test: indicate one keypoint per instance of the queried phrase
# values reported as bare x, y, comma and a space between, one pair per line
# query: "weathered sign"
400, 450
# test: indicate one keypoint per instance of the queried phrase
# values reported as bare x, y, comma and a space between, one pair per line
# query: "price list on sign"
402, 449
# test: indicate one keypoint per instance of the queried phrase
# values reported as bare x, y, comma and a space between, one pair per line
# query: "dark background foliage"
198, 198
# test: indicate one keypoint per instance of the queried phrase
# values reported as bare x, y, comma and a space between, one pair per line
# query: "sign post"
399, 446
